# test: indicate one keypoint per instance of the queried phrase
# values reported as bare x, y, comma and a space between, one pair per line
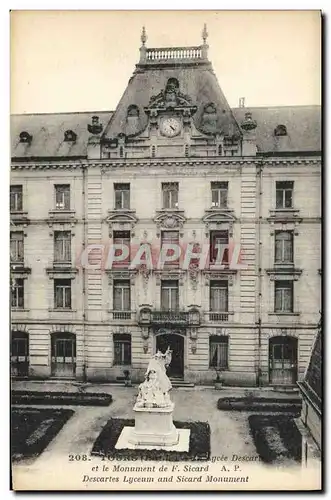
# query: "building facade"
172, 166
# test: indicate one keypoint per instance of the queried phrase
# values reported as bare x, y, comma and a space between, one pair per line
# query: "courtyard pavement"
229, 429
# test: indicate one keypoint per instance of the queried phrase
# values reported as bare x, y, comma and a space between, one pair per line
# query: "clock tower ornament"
170, 126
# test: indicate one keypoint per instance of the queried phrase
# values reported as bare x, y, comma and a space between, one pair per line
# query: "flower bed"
199, 445
260, 404
32, 429
276, 437
60, 398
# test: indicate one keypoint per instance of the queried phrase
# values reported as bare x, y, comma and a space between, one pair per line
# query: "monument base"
124, 443
154, 426
154, 429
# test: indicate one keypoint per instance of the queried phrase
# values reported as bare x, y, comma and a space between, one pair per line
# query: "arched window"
172, 82
25, 137
280, 130
70, 136
133, 111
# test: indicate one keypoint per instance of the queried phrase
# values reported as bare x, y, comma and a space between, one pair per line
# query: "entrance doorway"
176, 344
283, 360
19, 354
63, 355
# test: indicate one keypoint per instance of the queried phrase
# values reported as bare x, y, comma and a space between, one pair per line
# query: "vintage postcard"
165, 250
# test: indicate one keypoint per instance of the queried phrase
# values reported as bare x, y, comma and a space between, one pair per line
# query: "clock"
171, 126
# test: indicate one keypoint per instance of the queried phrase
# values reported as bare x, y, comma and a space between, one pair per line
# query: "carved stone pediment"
169, 220
218, 219
122, 220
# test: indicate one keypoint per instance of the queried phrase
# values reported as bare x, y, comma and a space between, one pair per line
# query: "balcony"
18, 267
174, 317
218, 316
122, 315
61, 215
19, 217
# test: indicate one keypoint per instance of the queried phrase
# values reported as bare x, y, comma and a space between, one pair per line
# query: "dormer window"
280, 130
25, 137
133, 111
70, 136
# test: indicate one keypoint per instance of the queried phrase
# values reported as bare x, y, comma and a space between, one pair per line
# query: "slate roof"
47, 132
303, 125
197, 81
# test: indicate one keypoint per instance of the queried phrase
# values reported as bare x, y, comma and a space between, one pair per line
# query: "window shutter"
165, 299
67, 292
278, 248
288, 299
117, 306
126, 299
67, 198
278, 299
288, 248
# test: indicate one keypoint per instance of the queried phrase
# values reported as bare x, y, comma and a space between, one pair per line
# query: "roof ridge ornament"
204, 34
143, 37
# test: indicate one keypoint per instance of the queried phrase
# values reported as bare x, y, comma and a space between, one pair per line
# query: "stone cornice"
106, 164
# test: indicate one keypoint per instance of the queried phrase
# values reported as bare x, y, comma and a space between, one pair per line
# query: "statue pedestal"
154, 426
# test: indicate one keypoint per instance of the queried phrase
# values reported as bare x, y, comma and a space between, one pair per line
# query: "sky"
67, 61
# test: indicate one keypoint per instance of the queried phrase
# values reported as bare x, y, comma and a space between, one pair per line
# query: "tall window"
62, 246
284, 246
219, 251
16, 198
170, 238
122, 238
283, 296
17, 293
219, 194
17, 246
122, 349
284, 194
169, 295
62, 197
170, 194
122, 196
218, 351
62, 294
218, 300
121, 299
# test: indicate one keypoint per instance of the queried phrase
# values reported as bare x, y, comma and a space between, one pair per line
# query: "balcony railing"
218, 316
174, 53
174, 317
122, 314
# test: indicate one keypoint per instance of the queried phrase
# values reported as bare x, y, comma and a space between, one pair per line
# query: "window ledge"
59, 309
119, 210
283, 314
18, 309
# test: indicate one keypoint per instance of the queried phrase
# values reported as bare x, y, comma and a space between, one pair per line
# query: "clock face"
171, 126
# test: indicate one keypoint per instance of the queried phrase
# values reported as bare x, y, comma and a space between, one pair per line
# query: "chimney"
241, 102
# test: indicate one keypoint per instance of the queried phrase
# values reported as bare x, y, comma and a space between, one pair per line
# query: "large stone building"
172, 164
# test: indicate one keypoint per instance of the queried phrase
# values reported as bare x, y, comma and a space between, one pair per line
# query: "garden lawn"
32, 429
276, 438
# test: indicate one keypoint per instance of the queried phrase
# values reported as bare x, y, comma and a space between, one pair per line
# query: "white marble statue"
154, 391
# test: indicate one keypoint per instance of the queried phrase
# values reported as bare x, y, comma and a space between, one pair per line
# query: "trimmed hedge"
32, 429
60, 398
199, 445
260, 404
276, 437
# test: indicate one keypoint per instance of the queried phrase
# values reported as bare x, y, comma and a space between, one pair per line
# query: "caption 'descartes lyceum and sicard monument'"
154, 427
